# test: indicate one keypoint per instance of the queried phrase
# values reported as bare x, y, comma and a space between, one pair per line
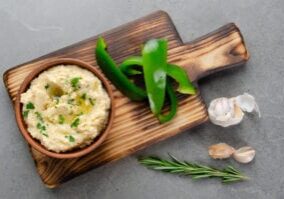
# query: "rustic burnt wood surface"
134, 126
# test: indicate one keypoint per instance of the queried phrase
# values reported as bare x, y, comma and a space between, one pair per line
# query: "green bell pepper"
174, 71
154, 58
179, 74
155, 69
128, 65
129, 71
173, 104
113, 73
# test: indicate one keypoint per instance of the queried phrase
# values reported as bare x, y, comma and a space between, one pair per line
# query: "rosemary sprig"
195, 170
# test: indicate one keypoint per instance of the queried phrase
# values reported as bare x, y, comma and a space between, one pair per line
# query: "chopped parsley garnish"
92, 101
46, 135
84, 96
70, 101
57, 100
75, 82
46, 86
42, 128
70, 138
26, 113
30, 106
39, 116
61, 119
75, 123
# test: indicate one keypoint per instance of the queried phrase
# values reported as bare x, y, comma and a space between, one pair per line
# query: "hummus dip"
66, 107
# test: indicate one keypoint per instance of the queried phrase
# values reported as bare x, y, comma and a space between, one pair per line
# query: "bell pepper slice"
163, 118
154, 58
128, 65
169, 92
177, 73
113, 73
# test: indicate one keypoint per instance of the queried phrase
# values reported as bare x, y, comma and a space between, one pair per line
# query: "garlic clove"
244, 154
247, 103
220, 151
224, 112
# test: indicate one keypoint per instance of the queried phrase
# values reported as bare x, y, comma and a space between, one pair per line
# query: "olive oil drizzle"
82, 101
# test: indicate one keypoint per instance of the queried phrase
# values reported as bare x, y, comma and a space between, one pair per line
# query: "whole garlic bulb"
244, 154
224, 112
229, 111
220, 151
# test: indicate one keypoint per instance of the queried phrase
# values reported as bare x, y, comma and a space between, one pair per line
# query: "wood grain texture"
134, 126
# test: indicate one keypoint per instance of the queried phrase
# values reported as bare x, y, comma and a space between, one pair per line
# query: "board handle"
221, 49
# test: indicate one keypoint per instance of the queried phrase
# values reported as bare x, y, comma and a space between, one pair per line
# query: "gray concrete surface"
32, 28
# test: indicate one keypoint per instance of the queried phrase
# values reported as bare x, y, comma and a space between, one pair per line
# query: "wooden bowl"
23, 127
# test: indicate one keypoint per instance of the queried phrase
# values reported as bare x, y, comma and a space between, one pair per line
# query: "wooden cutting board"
134, 126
